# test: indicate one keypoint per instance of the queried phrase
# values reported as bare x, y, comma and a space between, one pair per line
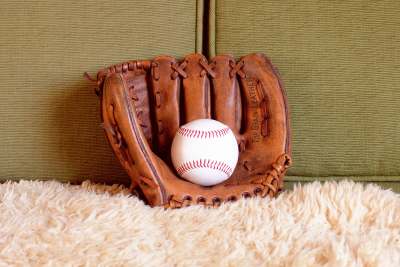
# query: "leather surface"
144, 102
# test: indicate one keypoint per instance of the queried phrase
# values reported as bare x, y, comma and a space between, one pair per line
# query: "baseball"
204, 152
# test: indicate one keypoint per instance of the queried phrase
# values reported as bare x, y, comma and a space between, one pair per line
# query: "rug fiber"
331, 224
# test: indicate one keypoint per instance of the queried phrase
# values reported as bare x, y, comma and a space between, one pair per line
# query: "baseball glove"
143, 103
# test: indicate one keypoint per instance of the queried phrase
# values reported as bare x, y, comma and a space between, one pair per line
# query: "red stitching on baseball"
204, 163
202, 134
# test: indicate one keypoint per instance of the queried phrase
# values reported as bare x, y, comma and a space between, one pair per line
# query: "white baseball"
204, 152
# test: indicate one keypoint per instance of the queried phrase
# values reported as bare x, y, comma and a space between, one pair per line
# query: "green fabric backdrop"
340, 62
49, 116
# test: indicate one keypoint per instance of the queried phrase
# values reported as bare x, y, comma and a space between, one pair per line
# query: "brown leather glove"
143, 103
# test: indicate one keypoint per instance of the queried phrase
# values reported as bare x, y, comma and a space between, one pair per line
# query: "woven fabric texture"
340, 62
49, 115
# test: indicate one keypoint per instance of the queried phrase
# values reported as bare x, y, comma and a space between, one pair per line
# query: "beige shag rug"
334, 224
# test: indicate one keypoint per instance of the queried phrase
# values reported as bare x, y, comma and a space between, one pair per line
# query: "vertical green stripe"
212, 28
199, 25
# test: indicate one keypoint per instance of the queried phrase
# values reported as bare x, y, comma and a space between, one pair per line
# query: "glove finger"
196, 88
126, 135
136, 87
266, 108
227, 106
165, 94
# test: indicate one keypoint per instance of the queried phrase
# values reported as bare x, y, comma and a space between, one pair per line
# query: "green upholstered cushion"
340, 62
49, 115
